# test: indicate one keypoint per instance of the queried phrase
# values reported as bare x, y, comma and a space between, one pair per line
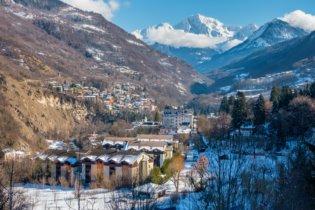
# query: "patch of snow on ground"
94, 28
45, 197
181, 88
164, 62
96, 53
126, 70
56, 145
134, 43
22, 14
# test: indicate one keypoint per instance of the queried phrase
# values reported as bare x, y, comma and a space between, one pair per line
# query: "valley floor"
45, 197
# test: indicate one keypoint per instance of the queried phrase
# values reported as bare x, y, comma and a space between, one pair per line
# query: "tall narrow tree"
239, 113
275, 94
224, 106
231, 100
259, 110
286, 95
157, 117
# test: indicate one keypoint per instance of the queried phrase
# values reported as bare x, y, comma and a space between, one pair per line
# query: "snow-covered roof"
130, 159
121, 158
116, 158
41, 156
116, 140
147, 146
104, 158
53, 158
151, 137
56, 145
90, 158
62, 159
113, 142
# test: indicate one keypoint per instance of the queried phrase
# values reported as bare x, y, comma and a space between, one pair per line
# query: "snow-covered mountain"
267, 35
290, 63
195, 39
208, 44
199, 24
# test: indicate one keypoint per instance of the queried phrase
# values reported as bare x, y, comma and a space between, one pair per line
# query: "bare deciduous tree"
175, 167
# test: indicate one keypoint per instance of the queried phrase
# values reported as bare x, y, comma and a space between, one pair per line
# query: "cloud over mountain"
167, 35
106, 8
300, 19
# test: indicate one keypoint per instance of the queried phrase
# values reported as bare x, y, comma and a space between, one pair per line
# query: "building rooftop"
147, 146
155, 137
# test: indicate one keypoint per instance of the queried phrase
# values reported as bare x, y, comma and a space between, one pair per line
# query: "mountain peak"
200, 24
204, 19
276, 31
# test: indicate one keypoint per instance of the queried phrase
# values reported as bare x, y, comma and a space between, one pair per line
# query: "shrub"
155, 175
165, 166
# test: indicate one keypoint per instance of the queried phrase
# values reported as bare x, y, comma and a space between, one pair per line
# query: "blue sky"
138, 14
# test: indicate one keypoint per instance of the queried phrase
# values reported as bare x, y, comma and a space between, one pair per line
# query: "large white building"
176, 117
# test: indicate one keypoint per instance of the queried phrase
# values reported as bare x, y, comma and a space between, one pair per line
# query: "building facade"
175, 117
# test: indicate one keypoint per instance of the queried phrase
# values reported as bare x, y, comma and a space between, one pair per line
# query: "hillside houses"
115, 98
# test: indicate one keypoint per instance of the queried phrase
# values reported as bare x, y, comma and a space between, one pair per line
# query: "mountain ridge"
223, 38
267, 35
291, 62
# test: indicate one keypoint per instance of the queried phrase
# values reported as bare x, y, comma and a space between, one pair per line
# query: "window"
111, 170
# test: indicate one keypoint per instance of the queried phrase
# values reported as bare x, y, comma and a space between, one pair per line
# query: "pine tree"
239, 113
157, 117
275, 94
286, 95
224, 106
259, 111
231, 100
274, 98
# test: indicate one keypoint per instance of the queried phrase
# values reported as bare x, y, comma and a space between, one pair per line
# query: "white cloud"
167, 35
300, 19
103, 7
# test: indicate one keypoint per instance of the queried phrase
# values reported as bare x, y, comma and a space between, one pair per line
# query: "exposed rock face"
38, 114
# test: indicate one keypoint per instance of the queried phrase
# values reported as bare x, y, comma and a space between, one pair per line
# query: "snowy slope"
200, 24
271, 33
195, 39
